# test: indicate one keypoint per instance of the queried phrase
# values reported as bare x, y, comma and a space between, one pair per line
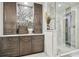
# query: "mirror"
24, 18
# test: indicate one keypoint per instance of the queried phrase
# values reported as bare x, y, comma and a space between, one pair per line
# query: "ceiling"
61, 6
58, 7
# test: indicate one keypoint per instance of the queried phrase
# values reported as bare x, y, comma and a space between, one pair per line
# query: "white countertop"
19, 35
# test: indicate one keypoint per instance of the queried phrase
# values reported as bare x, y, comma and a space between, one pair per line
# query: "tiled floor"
75, 54
38, 55
65, 49
45, 55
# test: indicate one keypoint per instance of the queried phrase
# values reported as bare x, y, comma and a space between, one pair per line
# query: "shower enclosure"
66, 18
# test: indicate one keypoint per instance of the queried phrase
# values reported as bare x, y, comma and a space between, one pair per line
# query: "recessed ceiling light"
64, 13
26, 3
59, 5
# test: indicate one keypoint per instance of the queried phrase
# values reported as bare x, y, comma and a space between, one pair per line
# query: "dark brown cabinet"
10, 46
37, 43
21, 45
9, 16
37, 18
31, 44
25, 45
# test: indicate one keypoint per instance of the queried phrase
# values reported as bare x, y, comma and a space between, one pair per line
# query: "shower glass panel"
68, 29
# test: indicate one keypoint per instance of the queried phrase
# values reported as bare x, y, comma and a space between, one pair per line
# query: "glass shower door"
68, 29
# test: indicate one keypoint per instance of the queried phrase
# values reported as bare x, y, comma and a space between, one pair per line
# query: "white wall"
1, 18
60, 29
48, 35
77, 27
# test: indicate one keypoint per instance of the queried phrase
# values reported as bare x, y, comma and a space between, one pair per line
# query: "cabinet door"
9, 17
37, 43
25, 45
9, 11
10, 47
37, 18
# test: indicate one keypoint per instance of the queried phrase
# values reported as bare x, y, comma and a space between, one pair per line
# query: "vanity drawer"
9, 53
38, 37
10, 42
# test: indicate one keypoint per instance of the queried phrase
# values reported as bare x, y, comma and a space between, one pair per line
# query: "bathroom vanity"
19, 45
16, 40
